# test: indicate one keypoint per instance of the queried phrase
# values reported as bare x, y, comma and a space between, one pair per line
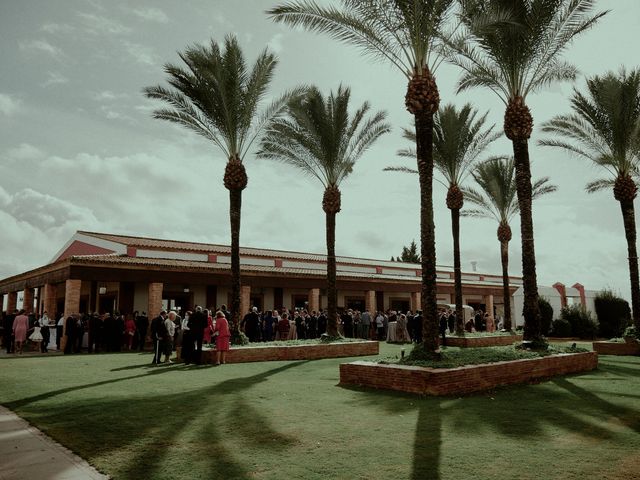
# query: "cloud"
151, 14
108, 95
275, 43
40, 46
97, 24
44, 211
55, 28
25, 151
141, 53
54, 78
8, 104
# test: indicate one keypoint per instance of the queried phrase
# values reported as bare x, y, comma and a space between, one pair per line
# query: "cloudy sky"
79, 149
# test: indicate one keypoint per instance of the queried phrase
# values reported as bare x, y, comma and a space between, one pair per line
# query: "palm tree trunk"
628, 217
457, 273
424, 148
531, 311
332, 293
504, 256
235, 204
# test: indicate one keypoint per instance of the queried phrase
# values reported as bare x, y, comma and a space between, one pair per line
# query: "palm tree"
218, 98
459, 139
497, 199
319, 138
604, 128
514, 47
405, 33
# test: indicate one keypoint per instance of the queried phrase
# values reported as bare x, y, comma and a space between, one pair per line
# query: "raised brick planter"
467, 379
614, 348
295, 352
489, 341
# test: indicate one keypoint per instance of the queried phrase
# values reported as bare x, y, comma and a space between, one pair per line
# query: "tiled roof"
173, 245
121, 260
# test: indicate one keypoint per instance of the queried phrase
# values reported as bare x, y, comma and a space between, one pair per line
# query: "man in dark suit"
417, 327
158, 332
251, 322
197, 324
8, 332
142, 325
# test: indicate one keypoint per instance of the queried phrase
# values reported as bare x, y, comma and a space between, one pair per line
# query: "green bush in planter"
546, 315
613, 313
631, 331
582, 323
561, 328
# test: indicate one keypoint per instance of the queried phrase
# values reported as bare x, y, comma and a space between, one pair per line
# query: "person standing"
380, 326
187, 339
70, 333
157, 335
129, 331
59, 331
251, 323
46, 333
222, 334
365, 325
347, 322
443, 327
312, 325
197, 324
322, 323
142, 325
9, 338
417, 326
167, 340
19, 328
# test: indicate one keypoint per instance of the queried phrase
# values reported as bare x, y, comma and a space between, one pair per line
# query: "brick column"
50, 304
583, 298
488, 301
314, 299
12, 301
72, 290
27, 299
416, 301
563, 293
370, 301
154, 307
245, 299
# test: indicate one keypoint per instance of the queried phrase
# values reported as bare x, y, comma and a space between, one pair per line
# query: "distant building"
104, 272
558, 296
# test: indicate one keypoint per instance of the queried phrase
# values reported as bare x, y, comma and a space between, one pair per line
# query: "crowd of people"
114, 332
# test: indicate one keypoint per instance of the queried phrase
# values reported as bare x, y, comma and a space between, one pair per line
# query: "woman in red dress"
208, 331
129, 331
221, 331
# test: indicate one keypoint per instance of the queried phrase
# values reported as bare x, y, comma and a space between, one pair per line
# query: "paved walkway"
27, 453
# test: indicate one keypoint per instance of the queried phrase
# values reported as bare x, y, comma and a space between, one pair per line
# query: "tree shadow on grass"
177, 435
510, 411
16, 404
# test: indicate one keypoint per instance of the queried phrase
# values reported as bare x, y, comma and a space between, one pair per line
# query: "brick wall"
27, 299
155, 300
461, 380
612, 348
296, 352
469, 342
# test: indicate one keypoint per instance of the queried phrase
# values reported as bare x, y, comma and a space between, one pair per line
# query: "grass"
275, 420
497, 333
452, 357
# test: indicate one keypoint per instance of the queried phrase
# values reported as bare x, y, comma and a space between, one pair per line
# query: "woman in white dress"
36, 337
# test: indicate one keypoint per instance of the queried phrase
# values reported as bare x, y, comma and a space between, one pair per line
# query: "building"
558, 296
105, 272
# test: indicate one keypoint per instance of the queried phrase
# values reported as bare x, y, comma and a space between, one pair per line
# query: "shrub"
561, 328
613, 313
582, 323
631, 332
546, 315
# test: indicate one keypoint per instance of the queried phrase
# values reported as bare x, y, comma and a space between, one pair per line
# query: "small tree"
613, 312
546, 315
410, 254
583, 325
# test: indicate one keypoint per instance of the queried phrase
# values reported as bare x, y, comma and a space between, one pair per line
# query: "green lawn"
290, 420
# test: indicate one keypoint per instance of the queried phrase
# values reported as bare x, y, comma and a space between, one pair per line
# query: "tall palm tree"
460, 137
320, 138
217, 97
406, 33
604, 128
497, 199
514, 47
